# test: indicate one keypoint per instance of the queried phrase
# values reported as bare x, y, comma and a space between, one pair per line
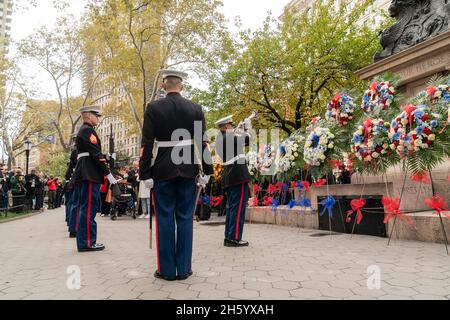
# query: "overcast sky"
252, 13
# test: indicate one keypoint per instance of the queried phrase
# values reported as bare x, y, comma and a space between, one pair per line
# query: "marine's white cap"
225, 120
166, 73
93, 109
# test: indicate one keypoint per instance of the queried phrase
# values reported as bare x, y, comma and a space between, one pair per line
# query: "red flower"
429, 142
427, 131
379, 149
426, 118
396, 143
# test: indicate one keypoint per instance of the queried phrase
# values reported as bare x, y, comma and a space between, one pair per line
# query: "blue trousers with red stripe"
68, 199
73, 210
174, 202
89, 202
237, 198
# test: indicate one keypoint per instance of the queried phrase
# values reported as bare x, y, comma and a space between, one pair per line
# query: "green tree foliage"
289, 70
56, 166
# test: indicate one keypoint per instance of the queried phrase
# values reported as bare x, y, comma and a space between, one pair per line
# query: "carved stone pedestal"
415, 65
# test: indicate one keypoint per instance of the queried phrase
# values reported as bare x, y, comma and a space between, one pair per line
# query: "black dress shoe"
95, 247
73, 235
160, 276
185, 276
235, 243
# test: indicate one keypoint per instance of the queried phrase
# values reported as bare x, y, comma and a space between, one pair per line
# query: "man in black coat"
171, 157
69, 188
90, 170
30, 185
235, 179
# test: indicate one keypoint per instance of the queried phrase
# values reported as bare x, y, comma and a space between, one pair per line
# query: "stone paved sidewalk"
281, 263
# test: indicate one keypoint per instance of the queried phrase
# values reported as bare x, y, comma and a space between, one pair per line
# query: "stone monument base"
428, 227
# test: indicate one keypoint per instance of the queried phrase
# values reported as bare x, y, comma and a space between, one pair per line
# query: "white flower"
431, 137
375, 155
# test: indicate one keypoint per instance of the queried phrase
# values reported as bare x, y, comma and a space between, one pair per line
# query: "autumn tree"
59, 53
289, 69
133, 39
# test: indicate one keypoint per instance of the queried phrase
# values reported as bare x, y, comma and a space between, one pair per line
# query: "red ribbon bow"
255, 202
431, 91
267, 201
409, 109
279, 186
306, 185
256, 188
392, 209
421, 177
293, 184
320, 182
368, 123
438, 203
357, 205
337, 164
271, 189
216, 201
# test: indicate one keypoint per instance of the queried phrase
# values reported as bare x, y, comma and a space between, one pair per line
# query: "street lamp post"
28, 146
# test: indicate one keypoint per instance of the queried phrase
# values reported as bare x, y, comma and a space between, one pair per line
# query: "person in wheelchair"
123, 203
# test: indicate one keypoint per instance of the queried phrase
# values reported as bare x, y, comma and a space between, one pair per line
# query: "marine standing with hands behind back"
174, 181
90, 169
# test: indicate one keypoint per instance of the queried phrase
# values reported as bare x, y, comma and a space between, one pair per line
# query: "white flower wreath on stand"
318, 143
289, 153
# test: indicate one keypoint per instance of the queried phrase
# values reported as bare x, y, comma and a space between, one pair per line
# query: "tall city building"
5, 23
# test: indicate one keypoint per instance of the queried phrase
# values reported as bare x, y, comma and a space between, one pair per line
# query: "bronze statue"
417, 21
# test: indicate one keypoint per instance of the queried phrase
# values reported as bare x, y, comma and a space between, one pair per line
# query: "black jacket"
237, 172
92, 168
161, 119
72, 164
31, 182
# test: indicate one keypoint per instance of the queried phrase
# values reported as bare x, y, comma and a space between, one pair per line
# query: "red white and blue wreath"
340, 109
370, 141
378, 97
421, 134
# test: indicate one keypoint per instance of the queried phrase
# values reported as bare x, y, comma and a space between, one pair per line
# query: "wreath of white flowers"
253, 163
318, 143
289, 153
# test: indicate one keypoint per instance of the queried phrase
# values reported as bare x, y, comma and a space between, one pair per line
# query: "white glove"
111, 179
203, 180
149, 183
247, 125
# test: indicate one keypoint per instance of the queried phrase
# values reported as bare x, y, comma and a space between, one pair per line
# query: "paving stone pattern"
281, 263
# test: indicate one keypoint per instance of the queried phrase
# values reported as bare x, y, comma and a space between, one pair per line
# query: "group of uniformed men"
175, 183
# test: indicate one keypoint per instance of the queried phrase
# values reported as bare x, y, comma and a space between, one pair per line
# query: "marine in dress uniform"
71, 164
89, 172
235, 180
174, 182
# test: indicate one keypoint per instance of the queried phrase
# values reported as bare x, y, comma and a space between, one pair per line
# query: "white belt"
83, 155
232, 161
168, 144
